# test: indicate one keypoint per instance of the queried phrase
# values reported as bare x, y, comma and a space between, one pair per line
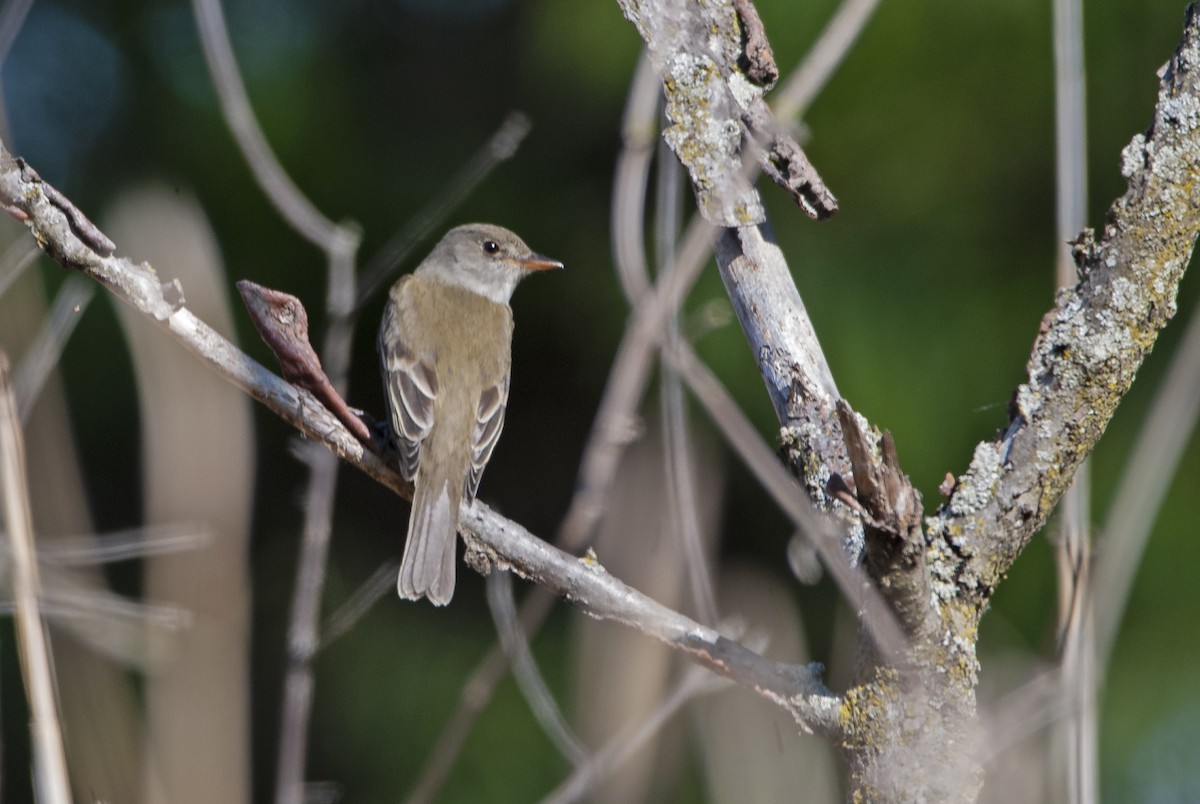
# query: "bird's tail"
427, 568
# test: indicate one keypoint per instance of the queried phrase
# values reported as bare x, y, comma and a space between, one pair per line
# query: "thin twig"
355, 607
124, 545
676, 433
37, 667
123, 630
19, 256
631, 177
67, 593
1026, 710
616, 418
43, 354
282, 192
529, 679
796, 94
629, 741
12, 19
1073, 548
588, 586
1144, 483
385, 262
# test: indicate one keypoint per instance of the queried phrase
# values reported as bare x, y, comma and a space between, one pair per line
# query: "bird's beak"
538, 262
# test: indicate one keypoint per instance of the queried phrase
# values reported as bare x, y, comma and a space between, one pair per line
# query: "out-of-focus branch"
340, 244
1074, 539
37, 667
292, 204
796, 94
42, 355
630, 741
537, 694
19, 256
491, 538
385, 262
1143, 485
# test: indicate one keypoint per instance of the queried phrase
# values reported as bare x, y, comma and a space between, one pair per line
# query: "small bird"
445, 345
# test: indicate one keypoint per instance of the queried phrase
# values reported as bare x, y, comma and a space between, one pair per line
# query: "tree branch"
713, 78
1090, 344
491, 539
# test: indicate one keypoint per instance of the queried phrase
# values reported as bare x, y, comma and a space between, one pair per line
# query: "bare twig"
1144, 483
631, 740
784, 161
1073, 547
49, 761
589, 587
385, 262
529, 679
802, 86
1026, 710
42, 355
706, 94
615, 421
19, 256
370, 591
760, 61
639, 130
676, 433
291, 203
124, 545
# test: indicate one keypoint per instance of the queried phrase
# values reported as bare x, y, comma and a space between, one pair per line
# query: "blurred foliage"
936, 135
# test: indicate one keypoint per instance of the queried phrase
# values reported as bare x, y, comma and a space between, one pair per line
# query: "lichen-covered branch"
715, 64
786, 349
1090, 345
909, 731
916, 742
717, 112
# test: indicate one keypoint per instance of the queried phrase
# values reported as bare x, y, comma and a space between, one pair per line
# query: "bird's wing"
489, 420
412, 385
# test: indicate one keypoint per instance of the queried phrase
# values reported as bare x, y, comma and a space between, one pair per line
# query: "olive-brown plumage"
445, 345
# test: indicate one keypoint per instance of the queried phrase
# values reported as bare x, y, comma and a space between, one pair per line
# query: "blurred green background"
926, 290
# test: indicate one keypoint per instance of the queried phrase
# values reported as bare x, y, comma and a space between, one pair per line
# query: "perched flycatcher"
445, 345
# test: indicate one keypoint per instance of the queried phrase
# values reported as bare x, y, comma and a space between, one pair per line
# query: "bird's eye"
491, 246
